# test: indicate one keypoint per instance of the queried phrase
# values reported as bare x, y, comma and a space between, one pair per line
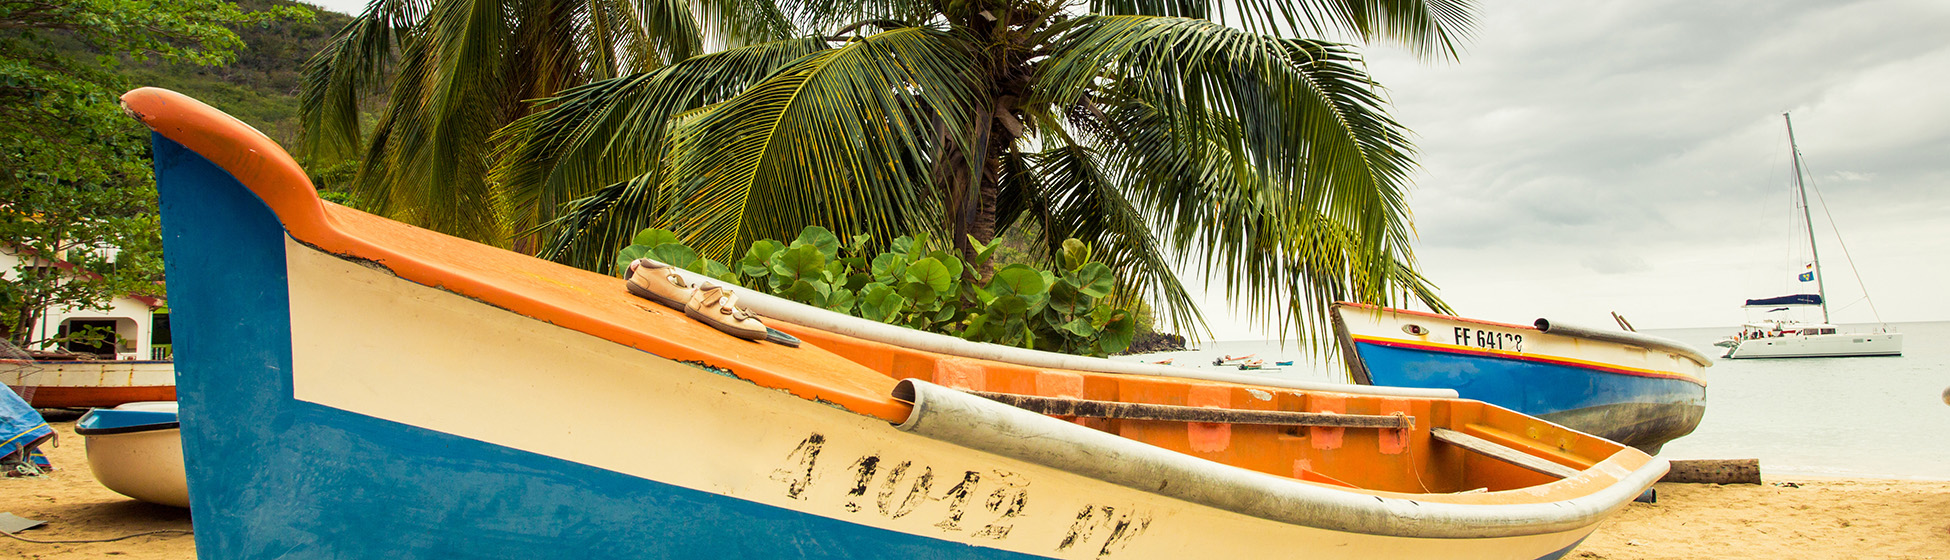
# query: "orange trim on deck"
569, 297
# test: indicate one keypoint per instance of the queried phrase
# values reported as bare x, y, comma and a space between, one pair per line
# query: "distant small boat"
1258, 365
1631, 388
136, 449
1285, 363
1163, 362
353, 371
1220, 361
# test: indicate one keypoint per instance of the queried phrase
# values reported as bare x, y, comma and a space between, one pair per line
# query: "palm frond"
1269, 160
1078, 199
352, 62
601, 148
1431, 28
841, 138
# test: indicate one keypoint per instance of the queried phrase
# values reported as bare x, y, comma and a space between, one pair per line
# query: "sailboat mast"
1814, 251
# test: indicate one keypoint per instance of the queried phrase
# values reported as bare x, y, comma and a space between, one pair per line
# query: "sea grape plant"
920, 285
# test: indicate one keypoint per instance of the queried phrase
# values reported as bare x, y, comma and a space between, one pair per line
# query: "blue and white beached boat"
136, 449
1631, 388
354, 387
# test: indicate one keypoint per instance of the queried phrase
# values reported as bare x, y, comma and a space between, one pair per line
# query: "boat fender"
1622, 337
974, 422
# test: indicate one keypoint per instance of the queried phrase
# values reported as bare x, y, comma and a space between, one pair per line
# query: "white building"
134, 318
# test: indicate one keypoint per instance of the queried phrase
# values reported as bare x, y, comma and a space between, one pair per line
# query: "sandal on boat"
658, 282
717, 307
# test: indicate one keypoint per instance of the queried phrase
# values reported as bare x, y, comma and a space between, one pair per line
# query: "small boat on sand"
136, 449
1635, 389
1229, 359
342, 370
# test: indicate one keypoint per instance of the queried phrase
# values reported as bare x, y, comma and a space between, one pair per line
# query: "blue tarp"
1796, 299
21, 428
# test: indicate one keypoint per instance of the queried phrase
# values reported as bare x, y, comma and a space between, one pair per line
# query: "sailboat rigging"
1787, 338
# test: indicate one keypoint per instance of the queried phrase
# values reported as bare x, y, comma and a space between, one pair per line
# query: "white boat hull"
1837, 345
146, 464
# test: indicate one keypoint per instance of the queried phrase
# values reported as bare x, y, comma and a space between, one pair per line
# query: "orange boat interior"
860, 375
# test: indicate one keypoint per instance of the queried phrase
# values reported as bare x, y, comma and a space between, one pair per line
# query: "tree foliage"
74, 179
457, 70
1167, 140
919, 285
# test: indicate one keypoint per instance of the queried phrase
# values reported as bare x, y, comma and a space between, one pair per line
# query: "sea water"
1859, 417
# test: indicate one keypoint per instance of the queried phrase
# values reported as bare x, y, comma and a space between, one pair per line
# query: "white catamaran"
1776, 337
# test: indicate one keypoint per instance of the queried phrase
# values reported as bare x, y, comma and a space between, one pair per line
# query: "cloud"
1643, 142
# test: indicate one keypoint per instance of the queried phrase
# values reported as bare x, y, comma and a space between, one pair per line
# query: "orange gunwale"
263, 167
1437, 316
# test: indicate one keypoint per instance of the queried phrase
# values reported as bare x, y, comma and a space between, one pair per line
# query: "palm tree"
1146, 129
457, 70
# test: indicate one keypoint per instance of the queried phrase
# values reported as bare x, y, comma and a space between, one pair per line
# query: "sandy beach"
1784, 518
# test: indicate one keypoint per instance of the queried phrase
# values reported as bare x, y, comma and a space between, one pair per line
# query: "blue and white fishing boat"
354, 387
1635, 389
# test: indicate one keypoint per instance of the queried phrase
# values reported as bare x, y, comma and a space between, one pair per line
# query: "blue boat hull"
1640, 411
300, 480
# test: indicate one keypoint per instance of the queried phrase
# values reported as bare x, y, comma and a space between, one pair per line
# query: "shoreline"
1786, 517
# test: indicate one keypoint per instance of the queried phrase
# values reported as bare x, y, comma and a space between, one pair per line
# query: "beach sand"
1786, 518
76, 507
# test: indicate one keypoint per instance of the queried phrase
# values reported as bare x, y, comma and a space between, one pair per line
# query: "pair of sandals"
709, 303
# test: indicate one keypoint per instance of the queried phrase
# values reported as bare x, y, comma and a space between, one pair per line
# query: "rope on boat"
111, 539
1170, 413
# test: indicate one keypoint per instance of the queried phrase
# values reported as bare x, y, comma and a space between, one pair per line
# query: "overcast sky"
1590, 156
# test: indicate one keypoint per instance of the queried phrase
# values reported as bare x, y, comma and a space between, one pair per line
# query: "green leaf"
954, 264
1019, 280
717, 271
1064, 299
628, 255
1118, 335
653, 237
880, 303
841, 301
674, 254
1075, 253
983, 252
902, 246
758, 259
800, 261
919, 293
932, 273
1079, 328
804, 291
1009, 306
1094, 279
819, 237
889, 268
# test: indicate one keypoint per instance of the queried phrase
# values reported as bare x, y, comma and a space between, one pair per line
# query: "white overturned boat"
136, 449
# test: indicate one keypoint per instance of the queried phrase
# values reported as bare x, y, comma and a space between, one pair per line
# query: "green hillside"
261, 86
